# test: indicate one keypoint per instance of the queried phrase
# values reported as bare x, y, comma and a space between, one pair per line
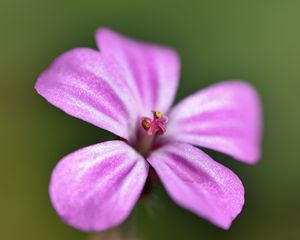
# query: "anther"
157, 114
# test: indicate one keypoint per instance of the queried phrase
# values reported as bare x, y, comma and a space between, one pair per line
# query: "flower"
127, 88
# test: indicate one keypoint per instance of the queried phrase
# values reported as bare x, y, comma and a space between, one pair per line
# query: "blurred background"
258, 41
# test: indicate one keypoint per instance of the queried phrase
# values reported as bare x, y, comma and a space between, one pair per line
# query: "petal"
96, 187
198, 183
225, 117
89, 85
151, 70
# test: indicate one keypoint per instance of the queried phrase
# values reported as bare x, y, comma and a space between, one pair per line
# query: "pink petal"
96, 187
225, 117
151, 70
198, 183
86, 84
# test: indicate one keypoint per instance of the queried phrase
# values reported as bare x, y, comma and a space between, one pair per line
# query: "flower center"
156, 125
147, 132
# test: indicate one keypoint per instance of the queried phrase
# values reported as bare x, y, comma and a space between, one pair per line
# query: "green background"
258, 41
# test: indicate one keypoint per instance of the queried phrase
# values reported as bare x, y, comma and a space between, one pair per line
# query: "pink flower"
127, 88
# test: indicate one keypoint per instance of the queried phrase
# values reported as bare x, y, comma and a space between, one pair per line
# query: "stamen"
157, 125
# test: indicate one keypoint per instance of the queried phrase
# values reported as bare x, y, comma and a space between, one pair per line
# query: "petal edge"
151, 70
95, 188
85, 84
198, 183
225, 117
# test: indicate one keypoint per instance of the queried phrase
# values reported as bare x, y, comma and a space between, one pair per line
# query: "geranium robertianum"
127, 88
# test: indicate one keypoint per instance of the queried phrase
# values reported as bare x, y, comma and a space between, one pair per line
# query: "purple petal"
151, 70
225, 117
96, 187
90, 86
198, 183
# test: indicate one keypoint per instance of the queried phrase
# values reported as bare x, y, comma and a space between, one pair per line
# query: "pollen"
156, 125
157, 114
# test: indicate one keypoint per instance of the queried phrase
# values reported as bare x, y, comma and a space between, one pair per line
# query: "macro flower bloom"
127, 88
